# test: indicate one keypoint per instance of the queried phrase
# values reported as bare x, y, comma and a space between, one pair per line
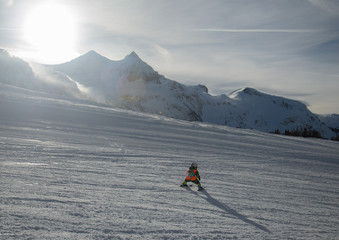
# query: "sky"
288, 48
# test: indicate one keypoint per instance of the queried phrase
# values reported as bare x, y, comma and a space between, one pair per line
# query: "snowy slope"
108, 81
132, 84
331, 120
268, 113
73, 170
16, 72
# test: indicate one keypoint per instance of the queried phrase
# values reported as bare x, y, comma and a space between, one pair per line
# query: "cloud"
257, 30
324, 52
10, 2
331, 6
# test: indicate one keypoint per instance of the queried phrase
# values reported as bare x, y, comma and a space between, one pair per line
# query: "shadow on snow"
229, 210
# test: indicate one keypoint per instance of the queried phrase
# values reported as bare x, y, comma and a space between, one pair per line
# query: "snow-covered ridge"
133, 84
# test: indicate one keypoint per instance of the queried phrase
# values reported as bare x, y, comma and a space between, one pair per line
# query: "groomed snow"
72, 170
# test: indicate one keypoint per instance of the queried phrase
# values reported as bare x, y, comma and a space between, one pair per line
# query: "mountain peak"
251, 91
133, 55
247, 91
3, 52
90, 58
92, 54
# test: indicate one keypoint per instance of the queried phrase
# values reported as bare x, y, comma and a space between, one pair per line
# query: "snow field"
70, 170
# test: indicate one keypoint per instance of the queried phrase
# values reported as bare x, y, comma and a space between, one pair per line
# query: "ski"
190, 187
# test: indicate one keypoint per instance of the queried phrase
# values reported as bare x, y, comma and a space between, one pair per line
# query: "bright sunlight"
51, 31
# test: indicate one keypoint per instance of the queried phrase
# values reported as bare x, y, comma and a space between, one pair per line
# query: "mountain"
15, 71
132, 84
272, 113
332, 121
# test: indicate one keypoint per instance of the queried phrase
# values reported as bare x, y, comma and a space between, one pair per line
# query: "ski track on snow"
76, 171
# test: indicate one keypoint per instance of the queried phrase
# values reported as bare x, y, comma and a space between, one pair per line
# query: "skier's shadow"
229, 210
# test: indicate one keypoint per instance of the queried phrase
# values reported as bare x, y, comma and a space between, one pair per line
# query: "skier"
193, 176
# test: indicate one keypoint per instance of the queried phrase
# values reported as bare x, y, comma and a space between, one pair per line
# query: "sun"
51, 32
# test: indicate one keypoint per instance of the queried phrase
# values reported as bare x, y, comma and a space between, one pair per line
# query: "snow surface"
74, 170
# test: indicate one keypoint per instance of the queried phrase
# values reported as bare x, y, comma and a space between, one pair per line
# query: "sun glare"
51, 31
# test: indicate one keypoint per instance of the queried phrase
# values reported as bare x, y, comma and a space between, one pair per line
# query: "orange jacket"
192, 174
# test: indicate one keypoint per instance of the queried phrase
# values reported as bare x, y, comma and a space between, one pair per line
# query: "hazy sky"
284, 47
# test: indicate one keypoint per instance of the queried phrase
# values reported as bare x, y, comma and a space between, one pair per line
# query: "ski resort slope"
72, 170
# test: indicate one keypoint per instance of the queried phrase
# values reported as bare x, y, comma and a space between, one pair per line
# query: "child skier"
193, 176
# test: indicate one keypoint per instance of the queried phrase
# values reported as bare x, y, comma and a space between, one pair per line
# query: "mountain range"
133, 84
